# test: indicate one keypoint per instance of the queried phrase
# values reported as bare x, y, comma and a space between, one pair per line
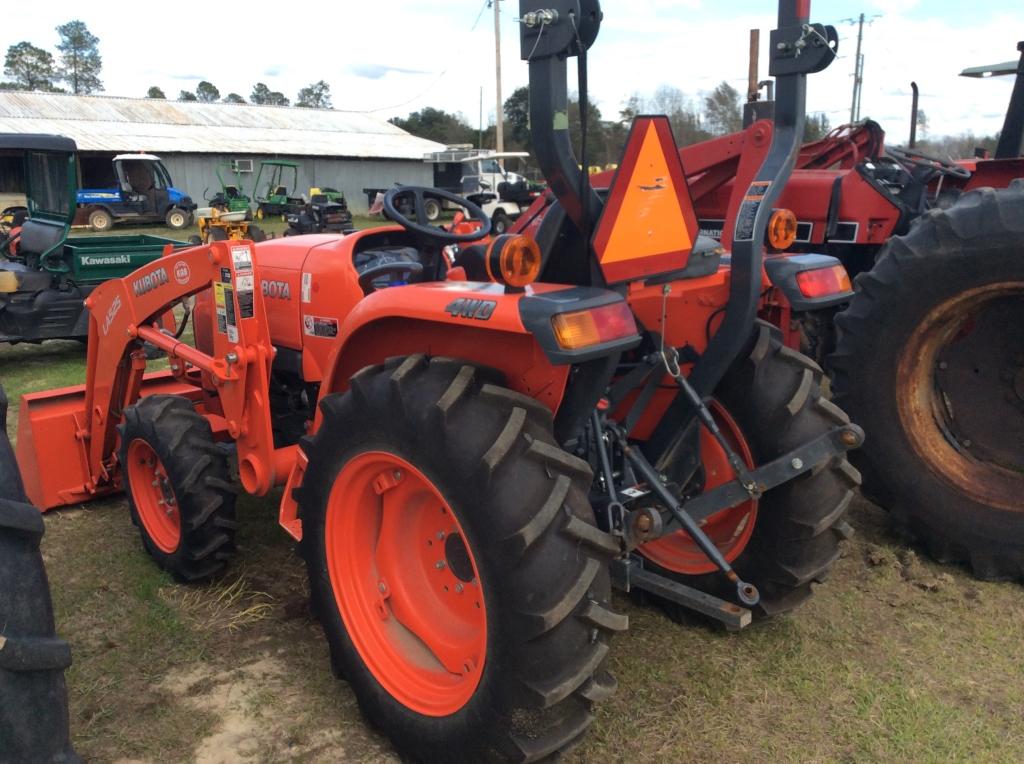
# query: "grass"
894, 659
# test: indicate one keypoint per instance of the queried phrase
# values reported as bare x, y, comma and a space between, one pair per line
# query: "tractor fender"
478, 323
475, 322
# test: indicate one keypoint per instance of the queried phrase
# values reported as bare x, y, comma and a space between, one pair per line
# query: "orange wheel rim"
406, 583
154, 498
730, 529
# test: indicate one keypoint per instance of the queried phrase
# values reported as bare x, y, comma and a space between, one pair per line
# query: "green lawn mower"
275, 199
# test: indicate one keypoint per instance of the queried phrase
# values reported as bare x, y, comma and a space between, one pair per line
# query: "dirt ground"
894, 659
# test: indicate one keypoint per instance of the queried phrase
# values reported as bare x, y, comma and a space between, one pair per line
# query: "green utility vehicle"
275, 199
44, 275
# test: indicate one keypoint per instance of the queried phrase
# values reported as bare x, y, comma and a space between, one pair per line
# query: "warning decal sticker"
319, 326
747, 213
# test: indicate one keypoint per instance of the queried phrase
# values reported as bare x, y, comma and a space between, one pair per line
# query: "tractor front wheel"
178, 485
768, 404
454, 563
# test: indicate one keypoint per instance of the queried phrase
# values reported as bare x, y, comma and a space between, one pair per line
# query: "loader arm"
124, 312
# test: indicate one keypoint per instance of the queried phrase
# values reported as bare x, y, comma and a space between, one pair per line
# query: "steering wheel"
914, 158
421, 227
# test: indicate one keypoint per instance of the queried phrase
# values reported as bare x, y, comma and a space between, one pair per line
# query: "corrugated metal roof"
101, 123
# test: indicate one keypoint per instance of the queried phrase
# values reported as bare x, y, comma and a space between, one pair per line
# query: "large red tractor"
473, 445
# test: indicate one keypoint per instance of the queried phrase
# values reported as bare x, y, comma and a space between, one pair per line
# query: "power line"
858, 66
486, 4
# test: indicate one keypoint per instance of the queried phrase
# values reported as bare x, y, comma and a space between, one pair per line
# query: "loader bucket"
51, 451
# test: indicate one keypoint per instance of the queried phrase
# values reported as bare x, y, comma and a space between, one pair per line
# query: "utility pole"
499, 131
858, 73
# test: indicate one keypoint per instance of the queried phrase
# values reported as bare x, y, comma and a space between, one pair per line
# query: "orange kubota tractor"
437, 424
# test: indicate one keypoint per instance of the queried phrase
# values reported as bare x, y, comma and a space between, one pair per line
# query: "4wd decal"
150, 282
465, 307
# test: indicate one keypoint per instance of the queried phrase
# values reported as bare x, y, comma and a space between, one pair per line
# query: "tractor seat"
379, 256
39, 236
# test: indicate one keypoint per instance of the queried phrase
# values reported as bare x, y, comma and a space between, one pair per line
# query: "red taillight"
823, 282
585, 328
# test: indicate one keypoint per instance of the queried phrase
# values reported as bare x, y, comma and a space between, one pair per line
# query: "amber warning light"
585, 328
822, 282
782, 229
513, 260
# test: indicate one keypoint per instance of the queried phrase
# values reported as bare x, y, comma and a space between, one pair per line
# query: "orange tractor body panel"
297, 293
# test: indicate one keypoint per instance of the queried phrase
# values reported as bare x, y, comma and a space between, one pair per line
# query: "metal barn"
346, 150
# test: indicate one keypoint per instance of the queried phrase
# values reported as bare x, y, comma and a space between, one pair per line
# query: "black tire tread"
775, 395
938, 257
34, 715
543, 711
200, 476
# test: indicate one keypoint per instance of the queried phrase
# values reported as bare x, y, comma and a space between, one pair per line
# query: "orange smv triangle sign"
648, 223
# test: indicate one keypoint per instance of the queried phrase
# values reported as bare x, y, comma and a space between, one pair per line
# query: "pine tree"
80, 61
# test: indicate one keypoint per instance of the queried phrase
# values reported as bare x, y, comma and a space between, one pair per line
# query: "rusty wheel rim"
154, 497
960, 393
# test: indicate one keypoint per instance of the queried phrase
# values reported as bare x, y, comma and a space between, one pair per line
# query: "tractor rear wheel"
768, 404
33, 694
179, 487
930, 362
454, 563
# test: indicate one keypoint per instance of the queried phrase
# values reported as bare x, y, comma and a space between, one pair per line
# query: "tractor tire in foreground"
454, 564
33, 695
179, 487
930, 361
769, 403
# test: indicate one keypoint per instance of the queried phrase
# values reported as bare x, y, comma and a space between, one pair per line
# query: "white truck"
482, 176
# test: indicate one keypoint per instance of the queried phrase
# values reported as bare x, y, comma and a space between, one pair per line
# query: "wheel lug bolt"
798, 464
440, 535
382, 587
439, 565
398, 474
458, 588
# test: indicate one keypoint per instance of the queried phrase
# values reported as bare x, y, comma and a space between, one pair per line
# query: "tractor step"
630, 574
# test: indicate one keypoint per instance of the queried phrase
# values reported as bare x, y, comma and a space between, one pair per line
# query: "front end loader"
474, 441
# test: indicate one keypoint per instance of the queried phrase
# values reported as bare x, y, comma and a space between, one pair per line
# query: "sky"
394, 58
